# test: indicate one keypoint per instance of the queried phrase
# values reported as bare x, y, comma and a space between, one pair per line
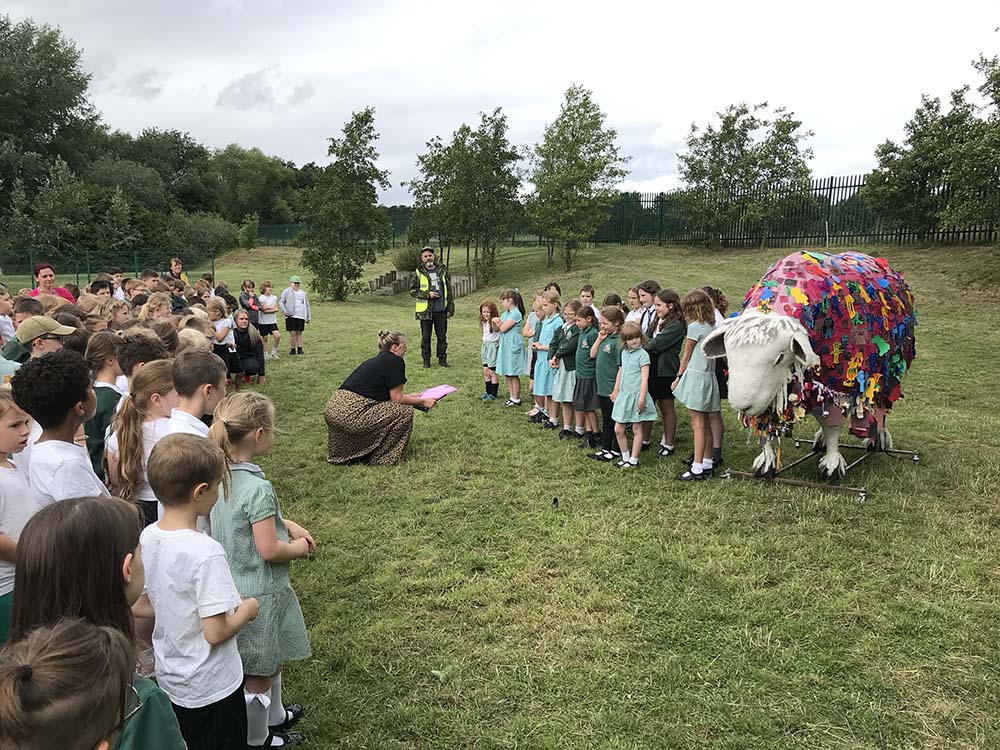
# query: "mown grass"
450, 606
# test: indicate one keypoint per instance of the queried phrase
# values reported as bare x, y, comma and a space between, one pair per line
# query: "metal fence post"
659, 231
213, 266
88, 267
135, 263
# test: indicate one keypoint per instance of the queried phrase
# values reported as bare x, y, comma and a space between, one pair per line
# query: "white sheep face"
764, 351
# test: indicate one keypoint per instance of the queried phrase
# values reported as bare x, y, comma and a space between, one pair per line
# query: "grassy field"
450, 606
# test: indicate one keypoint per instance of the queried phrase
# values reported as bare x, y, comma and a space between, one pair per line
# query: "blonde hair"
552, 296
50, 303
389, 339
251, 328
189, 338
6, 399
237, 417
217, 304
90, 303
154, 377
155, 301
112, 306
572, 307
266, 285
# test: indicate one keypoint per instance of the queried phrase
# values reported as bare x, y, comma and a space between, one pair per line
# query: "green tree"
750, 169
64, 222
184, 165
44, 109
574, 171
973, 177
248, 231
345, 224
906, 188
252, 182
118, 234
136, 181
495, 182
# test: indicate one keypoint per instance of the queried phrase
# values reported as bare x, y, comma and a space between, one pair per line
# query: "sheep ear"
802, 349
713, 345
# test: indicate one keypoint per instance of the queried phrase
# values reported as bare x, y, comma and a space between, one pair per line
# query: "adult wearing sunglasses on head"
81, 559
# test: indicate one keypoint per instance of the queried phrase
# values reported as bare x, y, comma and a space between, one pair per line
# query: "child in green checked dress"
259, 544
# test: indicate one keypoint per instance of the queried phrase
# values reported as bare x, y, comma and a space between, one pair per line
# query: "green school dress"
510, 349
698, 388
626, 405
279, 633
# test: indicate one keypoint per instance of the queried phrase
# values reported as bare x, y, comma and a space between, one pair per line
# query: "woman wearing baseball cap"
294, 304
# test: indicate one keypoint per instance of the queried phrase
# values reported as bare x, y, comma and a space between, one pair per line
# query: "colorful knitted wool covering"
860, 318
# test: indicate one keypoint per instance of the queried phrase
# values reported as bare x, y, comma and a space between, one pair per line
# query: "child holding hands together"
259, 544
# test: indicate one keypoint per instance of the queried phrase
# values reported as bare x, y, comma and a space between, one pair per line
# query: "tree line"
69, 183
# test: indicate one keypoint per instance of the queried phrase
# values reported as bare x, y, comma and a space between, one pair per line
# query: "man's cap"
39, 325
295, 280
426, 249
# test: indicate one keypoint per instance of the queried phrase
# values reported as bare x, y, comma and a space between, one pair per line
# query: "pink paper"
438, 392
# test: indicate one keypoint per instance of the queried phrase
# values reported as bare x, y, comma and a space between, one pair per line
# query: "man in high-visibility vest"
431, 286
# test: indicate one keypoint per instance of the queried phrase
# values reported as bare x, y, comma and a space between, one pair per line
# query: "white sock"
257, 716
580, 430
626, 456
707, 463
634, 461
696, 468
668, 447
277, 713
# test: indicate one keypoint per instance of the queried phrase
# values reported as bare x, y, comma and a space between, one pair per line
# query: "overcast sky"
285, 76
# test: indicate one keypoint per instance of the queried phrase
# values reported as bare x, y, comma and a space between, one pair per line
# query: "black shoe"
299, 351
565, 434
293, 712
289, 739
291, 353
584, 443
689, 460
547, 425
664, 451
600, 456
443, 363
539, 417
689, 476
427, 364
595, 440
645, 447
717, 456
623, 464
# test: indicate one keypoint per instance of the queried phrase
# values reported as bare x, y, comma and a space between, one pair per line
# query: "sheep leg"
832, 464
766, 463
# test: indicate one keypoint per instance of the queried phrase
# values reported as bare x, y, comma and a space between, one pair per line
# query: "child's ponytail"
62, 683
237, 417
154, 377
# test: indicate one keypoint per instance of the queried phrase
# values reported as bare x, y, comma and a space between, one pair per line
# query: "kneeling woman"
369, 418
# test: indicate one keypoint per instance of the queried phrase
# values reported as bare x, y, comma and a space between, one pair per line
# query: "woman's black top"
375, 377
246, 348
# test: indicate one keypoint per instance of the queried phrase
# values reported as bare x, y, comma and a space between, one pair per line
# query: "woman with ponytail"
144, 418
369, 418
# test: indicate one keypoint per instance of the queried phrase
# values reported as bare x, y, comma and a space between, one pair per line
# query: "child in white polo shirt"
55, 389
198, 608
200, 381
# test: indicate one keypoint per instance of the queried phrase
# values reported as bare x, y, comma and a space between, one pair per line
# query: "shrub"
406, 258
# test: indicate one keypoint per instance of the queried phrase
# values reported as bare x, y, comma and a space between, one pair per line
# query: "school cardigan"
665, 348
565, 349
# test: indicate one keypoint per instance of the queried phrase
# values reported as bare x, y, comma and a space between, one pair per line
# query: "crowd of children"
628, 362
144, 591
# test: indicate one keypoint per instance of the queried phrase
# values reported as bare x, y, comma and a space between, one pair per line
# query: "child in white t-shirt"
268, 317
198, 609
17, 500
55, 390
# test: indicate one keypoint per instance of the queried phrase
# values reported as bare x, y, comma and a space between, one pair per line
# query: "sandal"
689, 476
665, 451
